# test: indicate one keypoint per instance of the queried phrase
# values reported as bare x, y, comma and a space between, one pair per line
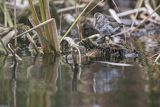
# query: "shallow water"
47, 82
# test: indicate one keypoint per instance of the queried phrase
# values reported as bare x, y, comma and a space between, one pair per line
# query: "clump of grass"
48, 35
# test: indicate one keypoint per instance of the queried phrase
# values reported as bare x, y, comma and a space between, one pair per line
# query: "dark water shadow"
30, 83
76, 73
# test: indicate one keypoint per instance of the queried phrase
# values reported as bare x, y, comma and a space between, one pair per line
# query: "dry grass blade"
93, 7
70, 28
131, 12
115, 64
70, 8
15, 21
115, 5
157, 58
114, 15
140, 2
36, 27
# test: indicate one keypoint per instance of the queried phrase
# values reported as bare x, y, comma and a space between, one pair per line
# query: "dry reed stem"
70, 8
52, 28
114, 15
15, 21
37, 22
36, 27
32, 42
18, 58
143, 9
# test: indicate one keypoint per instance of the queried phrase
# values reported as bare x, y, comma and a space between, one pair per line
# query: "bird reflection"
106, 80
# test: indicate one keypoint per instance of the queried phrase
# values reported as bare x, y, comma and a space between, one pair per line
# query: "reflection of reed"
154, 86
106, 80
52, 79
45, 87
4, 66
36, 89
13, 85
151, 76
75, 69
3, 60
31, 66
3, 80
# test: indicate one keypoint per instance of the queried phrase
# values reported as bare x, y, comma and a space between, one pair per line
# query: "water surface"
48, 82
